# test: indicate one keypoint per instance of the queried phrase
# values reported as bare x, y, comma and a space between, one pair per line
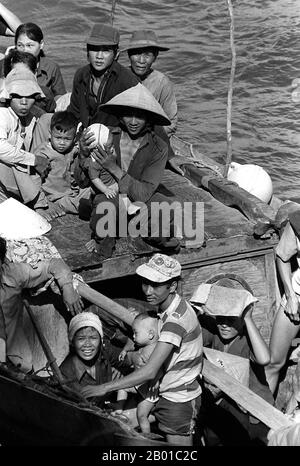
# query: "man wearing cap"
136, 160
178, 352
143, 50
100, 80
20, 169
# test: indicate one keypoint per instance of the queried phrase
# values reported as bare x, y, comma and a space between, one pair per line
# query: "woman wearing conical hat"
135, 157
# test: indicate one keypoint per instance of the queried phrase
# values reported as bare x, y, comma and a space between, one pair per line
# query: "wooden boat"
239, 241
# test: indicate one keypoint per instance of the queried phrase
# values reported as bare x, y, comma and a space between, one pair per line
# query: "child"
59, 185
89, 361
20, 169
145, 336
237, 336
101, 179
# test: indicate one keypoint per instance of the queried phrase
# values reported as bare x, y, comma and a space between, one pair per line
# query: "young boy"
20, 169
59, 185
145, 336
238, 336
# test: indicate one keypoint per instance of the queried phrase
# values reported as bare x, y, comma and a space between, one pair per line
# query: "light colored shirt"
180, 327
163, 90
12, 139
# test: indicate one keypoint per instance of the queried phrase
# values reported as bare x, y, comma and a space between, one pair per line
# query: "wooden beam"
232, 195
245, 397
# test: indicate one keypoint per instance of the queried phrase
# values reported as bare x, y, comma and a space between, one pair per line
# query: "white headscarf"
85, 319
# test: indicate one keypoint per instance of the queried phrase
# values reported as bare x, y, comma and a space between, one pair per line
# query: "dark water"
264, 118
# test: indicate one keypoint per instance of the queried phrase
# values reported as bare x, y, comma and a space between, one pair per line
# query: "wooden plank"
231, 194
242, 395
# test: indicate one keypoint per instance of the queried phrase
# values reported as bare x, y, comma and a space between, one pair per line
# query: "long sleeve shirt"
145, 169
16, 277
12, 140
163, 90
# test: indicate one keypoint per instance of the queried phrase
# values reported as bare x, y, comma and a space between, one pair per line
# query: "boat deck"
227, 232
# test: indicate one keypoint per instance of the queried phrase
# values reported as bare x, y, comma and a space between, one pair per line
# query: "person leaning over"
143, 50
15, 278
100, 80
178, 352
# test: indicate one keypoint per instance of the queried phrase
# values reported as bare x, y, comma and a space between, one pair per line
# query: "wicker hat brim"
141, 98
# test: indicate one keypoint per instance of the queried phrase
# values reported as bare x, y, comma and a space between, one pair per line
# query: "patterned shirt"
181, 328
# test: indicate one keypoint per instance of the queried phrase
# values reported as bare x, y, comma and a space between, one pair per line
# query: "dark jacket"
119, 79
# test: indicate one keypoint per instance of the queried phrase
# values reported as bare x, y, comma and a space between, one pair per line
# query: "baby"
145, 336
102, 181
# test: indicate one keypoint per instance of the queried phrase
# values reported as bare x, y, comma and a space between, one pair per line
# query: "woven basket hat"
137, 97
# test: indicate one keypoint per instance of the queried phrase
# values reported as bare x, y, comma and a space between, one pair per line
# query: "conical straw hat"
138, 97
19, 222
236, 366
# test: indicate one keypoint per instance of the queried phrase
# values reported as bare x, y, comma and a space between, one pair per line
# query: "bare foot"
52, 212
91, 246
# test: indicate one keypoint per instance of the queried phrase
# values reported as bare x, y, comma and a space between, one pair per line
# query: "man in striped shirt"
178, 353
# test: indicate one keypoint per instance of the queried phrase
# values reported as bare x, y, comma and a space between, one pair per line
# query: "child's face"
86, 343
141, 334
62, 141
21, 105
229, 327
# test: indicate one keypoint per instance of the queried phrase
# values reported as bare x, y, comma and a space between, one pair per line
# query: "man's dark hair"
2, 249
63, 121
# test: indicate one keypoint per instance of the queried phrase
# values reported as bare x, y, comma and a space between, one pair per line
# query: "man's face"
21, 105
141, 60
101, 58
155, 293
135, 121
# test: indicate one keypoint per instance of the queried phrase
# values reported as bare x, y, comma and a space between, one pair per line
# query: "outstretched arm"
10, 19
146, 373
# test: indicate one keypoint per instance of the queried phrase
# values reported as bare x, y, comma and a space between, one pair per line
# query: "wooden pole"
50, 356
253, 403
46, 348
102, 301
245, 397
113, 8
230, 90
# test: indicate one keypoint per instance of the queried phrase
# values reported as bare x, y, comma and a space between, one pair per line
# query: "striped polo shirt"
180, 327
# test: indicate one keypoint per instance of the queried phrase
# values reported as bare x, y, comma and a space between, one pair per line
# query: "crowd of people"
51, 161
